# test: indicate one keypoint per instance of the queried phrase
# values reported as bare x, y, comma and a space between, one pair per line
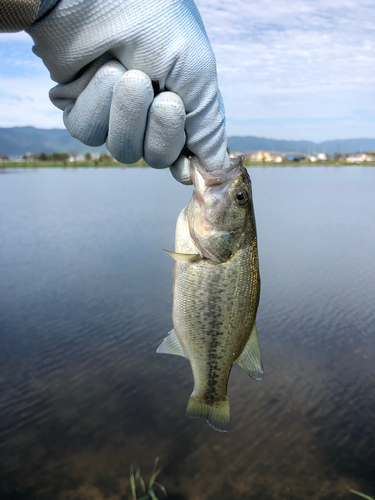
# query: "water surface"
86, 297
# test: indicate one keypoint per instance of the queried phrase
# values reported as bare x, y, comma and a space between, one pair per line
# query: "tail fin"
216, 414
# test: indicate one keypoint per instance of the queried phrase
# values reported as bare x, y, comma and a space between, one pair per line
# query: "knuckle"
135, 80
110, 69
169, 102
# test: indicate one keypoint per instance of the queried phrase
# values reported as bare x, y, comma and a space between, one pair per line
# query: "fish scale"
214, 337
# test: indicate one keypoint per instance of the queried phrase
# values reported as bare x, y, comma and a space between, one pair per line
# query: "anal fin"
171, 345
250, 359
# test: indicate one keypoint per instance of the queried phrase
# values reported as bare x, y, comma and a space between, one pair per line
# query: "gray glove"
109, 57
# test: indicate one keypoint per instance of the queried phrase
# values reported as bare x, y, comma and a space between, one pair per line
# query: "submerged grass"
360, 494
146, 492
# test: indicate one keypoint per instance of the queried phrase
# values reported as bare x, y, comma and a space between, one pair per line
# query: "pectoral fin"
171, 345
251, 359
185, 257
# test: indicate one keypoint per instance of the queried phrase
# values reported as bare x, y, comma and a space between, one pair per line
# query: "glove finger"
205, 117
65, 94
87, 118
181, 168
165, 132
132, 97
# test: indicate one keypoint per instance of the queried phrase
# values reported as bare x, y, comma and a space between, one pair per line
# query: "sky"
288, 69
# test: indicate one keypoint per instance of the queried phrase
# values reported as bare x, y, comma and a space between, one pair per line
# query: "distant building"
260, 156
75, 158
312, 158
356, 158
322, 157
264, 156
293, 157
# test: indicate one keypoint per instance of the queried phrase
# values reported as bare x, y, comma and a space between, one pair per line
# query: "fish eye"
241, 197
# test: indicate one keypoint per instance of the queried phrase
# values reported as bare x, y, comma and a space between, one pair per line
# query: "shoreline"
50, 164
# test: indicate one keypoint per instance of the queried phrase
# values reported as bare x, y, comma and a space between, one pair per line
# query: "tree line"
64, 157
55, 156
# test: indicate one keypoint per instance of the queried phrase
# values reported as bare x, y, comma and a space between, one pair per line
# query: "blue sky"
288, 69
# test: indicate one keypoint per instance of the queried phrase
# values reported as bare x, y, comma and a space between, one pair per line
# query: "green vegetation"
72, 159
103, 161
304, 163
147, 492
55, 156
361, 494
56, 159
142, 163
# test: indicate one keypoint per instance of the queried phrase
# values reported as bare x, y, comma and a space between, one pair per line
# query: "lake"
86, 298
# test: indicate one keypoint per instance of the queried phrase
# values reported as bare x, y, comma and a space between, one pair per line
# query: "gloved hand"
109, 57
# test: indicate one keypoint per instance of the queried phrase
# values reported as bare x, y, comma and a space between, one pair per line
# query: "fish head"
220, 213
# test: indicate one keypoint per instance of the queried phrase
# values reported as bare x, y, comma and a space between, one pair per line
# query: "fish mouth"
203, 179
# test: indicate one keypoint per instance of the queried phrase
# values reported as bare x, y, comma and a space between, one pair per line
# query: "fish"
216, 288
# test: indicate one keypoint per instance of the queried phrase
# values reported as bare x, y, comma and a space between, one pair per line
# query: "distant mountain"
20, 140
251, 143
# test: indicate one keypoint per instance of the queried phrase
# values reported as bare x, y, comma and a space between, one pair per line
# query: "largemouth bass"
216, 288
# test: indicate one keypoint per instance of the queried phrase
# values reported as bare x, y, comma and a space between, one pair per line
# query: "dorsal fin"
171, 345
250, 359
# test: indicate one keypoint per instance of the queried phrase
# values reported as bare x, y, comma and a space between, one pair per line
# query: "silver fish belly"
214, 307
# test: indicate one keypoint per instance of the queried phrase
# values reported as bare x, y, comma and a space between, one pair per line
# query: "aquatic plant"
361, 494
147, 492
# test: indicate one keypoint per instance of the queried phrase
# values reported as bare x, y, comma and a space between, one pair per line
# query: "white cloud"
27, 103
292, 59
24, 85
287, 69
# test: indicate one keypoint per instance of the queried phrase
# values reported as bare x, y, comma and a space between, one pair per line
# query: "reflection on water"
86, 298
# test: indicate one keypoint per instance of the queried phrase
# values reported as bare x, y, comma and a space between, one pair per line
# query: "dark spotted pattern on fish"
214, 310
